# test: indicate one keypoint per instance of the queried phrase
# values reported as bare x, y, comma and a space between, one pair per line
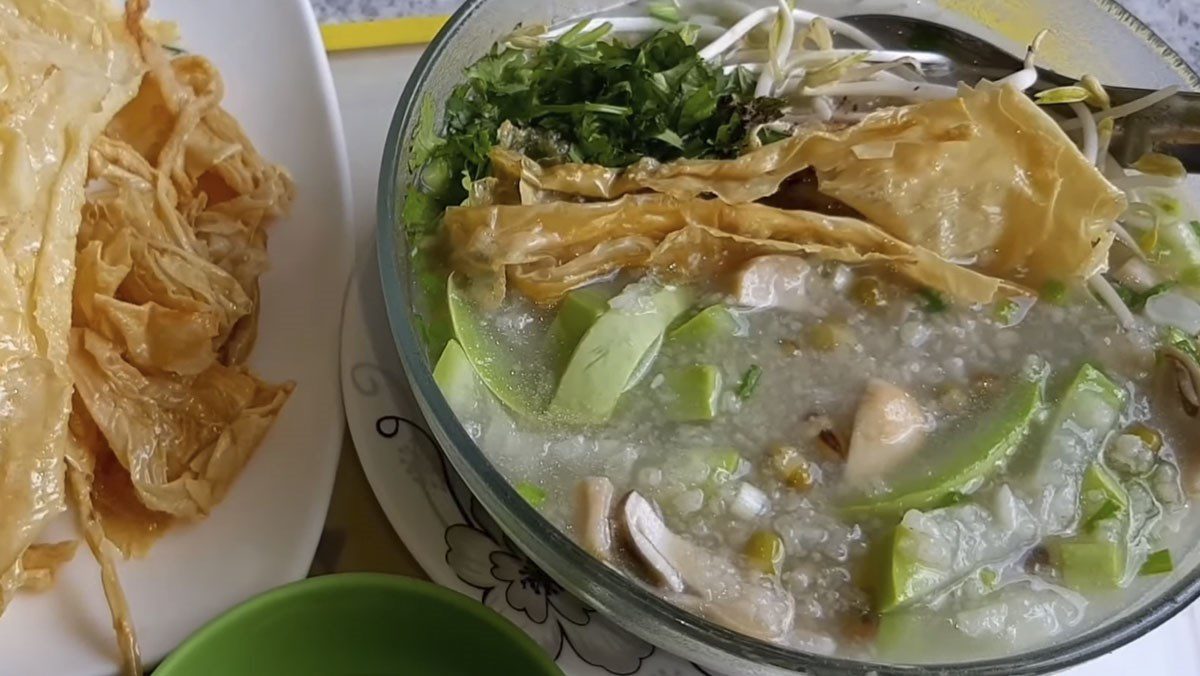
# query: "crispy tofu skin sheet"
66, 68
986, 180
133, 214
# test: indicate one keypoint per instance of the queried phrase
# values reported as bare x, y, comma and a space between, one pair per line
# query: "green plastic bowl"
359, 624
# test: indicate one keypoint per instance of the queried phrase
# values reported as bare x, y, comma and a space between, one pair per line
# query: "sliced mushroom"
1187, 378
654, 543
774, 281
889, 427
593, 508
744, 600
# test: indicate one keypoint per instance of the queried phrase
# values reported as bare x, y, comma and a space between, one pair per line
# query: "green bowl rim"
214, 628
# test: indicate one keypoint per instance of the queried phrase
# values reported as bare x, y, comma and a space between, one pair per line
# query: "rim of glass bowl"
603, 587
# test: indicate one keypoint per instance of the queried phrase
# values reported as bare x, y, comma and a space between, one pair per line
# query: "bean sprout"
782, 35
736, 32
1028, 76
840, 27
1091, 139
881, 88
636, 24
1112, 299
758, 57
1135, 106
739, 30
823, 108
1127, 239
1141, 216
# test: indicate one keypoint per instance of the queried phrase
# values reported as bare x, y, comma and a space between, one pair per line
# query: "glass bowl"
1094, 36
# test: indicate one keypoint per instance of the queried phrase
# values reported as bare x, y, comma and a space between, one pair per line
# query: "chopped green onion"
1054, 292
1005, 311
1069, 94
1184, 342
665, 11
1195, 227
1168, 205
988, 577
1157, 563
1106, 510
725, 464
532, 493
1137, 299
749, 382
933, 301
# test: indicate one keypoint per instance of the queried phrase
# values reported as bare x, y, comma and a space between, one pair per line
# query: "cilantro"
1006, 310
583, 100
932, 301
749, 382
1184, 342
1054, 291
425, 139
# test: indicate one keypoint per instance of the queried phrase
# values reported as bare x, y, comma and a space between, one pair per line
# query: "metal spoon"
1171, 126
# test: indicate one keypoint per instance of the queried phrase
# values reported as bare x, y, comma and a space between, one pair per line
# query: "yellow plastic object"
409, 30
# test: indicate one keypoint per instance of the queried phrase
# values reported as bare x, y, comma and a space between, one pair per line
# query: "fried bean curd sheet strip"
166, 304
547, 249
168, 291
66, 68
988, 178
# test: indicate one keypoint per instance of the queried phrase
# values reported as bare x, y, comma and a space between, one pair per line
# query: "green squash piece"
916, 563
576, 314
644, 365
456, 377
1097, 558
1014, 617
963, 455
609, 354
1087, 412
710, 324
694, 391
521, 385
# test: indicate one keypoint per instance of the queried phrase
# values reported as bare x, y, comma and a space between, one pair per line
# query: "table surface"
368, 83
1177, 21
